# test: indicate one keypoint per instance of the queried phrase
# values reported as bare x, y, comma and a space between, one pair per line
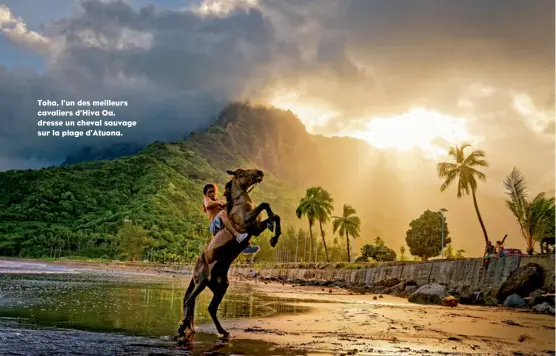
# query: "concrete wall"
454, 273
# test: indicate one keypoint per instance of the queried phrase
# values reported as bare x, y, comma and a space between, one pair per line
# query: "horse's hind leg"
189, 307
197, 285
183, 326
218, 286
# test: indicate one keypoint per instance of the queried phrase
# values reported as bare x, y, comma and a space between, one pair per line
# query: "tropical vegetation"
377, 252
147, 206
464, 171
535, 217
316, 205
348, 224
424, 236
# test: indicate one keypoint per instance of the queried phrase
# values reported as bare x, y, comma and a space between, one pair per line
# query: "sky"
404, 76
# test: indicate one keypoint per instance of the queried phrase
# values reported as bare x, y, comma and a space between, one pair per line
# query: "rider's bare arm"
210, 204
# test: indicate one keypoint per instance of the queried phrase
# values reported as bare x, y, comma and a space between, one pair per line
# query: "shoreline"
368, 324
391, 325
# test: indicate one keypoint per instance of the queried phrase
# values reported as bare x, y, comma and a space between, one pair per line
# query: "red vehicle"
512, 252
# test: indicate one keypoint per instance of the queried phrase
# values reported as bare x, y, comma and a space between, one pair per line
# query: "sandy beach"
363, 325
340, 322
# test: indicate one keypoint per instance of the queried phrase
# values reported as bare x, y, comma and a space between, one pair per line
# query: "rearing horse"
211, 268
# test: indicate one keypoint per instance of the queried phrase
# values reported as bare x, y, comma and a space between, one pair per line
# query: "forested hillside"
143, 206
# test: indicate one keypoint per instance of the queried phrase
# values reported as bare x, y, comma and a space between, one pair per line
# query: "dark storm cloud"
416, 50
175, 68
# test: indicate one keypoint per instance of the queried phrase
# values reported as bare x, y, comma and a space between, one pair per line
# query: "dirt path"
390, 325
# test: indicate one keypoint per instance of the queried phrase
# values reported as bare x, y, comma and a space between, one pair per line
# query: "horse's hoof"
181, 330
274, 241
225, 335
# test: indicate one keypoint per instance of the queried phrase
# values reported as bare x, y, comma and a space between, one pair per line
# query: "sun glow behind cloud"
426, 130
313, 114
419, 128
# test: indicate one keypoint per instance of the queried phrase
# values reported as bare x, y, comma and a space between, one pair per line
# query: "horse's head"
247, 177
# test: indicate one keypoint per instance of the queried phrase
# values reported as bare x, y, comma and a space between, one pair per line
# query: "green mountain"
81, 209
84, 208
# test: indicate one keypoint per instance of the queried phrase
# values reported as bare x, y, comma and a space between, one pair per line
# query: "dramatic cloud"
175, 68
16, 30
343, 66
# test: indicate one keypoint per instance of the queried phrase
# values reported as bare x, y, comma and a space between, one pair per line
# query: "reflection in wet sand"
137, 304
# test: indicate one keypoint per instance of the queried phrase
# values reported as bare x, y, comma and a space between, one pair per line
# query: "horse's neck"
239, 196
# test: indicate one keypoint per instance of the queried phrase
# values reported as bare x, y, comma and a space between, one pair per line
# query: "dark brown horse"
211, 268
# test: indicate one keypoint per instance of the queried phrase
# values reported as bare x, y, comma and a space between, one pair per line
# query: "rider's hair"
208, 186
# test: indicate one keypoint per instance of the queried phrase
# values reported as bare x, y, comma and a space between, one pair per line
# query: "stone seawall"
453, 273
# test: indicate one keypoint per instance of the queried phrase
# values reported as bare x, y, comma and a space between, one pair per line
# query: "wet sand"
344, 323
390, 325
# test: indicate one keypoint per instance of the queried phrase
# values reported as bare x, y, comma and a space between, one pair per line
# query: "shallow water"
134, 304
46, 308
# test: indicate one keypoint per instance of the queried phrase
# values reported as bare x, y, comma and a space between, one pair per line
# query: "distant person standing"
500, 249
489, 251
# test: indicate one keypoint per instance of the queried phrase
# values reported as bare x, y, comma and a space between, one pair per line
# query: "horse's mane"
228, 196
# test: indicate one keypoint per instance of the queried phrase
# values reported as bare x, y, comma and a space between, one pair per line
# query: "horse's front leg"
277, 231
272, 219
251, 216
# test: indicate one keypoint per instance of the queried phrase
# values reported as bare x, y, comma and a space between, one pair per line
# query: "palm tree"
402, 253
323, 209
316, 205
305, 209
465, 172
535, 218
348, 224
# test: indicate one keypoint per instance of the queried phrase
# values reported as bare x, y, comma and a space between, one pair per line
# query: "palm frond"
460, 154
453, 152
516, 189
476, 173
475, 159
445, 168
449, 179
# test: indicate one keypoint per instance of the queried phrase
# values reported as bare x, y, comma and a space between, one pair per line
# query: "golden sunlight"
419, 128
426, 130
312, 114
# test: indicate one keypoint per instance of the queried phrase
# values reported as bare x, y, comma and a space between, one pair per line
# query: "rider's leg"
228, 225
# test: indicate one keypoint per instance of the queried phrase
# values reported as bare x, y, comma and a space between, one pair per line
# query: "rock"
514, 301
389, 282
465, 295
450, 301
490, 301
409, 289
544, 308
429, 294
477, 298
522, 281
379, 289
537, 297
398, 289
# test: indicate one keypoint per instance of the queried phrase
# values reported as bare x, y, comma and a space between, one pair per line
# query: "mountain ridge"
387, 189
